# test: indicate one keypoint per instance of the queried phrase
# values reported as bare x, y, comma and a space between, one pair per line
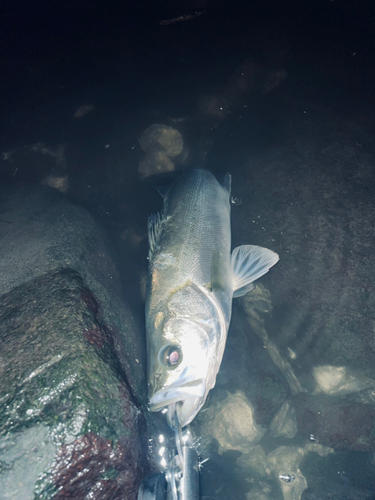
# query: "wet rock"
284, 422
319, 449
339, 423
71, 360
160, 143
37, 162
256, 305
58, 177
333, 380
57, 181
155, 162
269, 397
254, 461
312, 206
284, 463
58, 153
23, 457
261, 492
285, 367
162, 138
232, 423
338, 492
281, 465
339, 476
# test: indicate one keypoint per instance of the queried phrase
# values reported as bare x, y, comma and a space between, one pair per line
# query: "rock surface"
232, 423
339, 423
284, 422
162, 137
72, 423
312, 203
155, 162
161, 144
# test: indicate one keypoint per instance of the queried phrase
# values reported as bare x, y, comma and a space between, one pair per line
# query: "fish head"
183, 364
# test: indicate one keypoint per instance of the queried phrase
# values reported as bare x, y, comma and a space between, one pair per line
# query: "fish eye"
171, 356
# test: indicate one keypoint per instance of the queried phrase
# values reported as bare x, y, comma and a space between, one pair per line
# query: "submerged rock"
256, 304
310, 204
71, 363
339, 423
160, 143
162, 138
319, 449
38, 162
284, 462
284, 423
337, 380
255, 461
57, 181
155, 162
261, 492
232, 423
278, 471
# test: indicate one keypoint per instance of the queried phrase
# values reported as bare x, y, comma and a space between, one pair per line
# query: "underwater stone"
339, 423
319, 449
314, 212
333, 380
234, 424
284, 462
155, 162
284, 423
254, 460
159, 137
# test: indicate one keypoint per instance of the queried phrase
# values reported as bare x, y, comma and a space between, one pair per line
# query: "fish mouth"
191, 394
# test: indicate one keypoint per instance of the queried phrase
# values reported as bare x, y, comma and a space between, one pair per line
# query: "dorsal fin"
154, 226
155, 221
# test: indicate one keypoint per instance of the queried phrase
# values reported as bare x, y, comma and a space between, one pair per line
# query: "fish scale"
190, 231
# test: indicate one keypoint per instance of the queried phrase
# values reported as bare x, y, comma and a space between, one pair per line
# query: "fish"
192, 279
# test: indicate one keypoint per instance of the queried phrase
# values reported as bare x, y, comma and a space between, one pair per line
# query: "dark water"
282, 96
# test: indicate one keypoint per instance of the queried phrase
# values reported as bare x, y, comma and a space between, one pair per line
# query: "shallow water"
283, 100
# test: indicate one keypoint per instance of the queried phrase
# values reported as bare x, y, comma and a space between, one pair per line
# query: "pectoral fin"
249, 263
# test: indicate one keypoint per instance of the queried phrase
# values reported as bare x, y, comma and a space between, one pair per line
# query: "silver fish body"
191, 282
